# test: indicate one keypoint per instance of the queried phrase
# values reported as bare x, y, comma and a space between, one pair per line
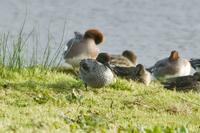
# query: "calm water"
151, 28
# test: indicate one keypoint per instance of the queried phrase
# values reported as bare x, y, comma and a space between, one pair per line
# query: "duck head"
84, 65
174, 56
130, 55
140, 70
104, 58
94, 34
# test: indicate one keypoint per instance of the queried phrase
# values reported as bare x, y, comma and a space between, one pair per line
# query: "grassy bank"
37, 99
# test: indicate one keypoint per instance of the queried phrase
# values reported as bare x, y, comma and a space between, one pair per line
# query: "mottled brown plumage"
127, 59
131, 56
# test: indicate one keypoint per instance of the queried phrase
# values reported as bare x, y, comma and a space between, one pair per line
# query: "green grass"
42, 100
35, 98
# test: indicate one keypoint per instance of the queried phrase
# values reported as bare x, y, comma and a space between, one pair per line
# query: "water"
151, 28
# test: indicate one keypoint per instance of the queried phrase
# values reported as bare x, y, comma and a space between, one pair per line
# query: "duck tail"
150, 69
195, 63
168, 85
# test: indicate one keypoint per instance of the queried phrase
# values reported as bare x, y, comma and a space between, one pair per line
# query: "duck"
126, 59
172, 66
96, 73
138, 73
142, 75
83, 46
195, 64
184, 83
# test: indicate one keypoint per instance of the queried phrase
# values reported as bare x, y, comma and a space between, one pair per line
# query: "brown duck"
126, 59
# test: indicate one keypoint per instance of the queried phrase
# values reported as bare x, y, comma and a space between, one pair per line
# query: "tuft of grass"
35, 99
24, 50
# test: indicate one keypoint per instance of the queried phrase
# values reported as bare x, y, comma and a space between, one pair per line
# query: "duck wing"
119, 60
184, 83
78, 37
195, 63
124, 71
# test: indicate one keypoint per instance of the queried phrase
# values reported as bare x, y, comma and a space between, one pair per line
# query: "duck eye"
85, 66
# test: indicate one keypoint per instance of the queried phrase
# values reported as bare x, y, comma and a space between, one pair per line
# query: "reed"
14, 49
